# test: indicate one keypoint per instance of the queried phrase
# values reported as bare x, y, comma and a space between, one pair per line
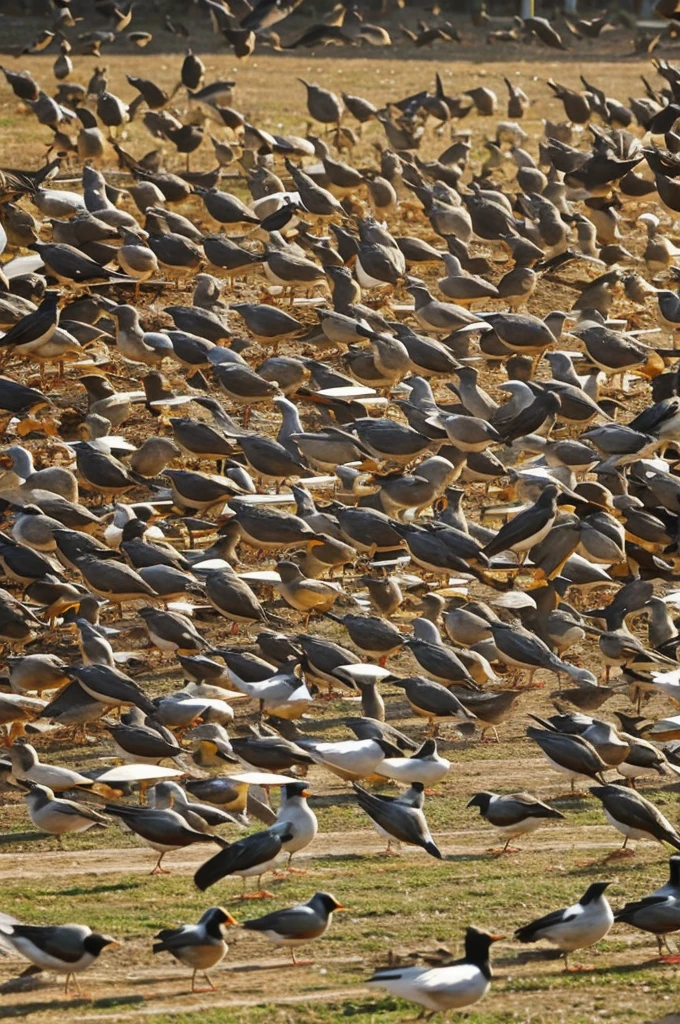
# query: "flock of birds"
245, 27
403, 404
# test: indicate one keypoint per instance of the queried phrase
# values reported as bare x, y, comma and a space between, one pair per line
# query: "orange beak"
306, 792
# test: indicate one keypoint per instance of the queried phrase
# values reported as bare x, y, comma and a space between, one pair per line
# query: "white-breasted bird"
576, 927
451, 987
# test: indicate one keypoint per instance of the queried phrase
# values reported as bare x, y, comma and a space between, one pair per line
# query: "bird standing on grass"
298, 925
577, 927
66, 949
454, 986
199, 946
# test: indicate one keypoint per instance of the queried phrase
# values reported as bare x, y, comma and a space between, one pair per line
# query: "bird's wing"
531, 932
643, 816
73, 809
406, 824
246, 853
293, 923
62, 943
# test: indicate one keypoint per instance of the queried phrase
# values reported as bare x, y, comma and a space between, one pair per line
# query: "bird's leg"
299, 963
620, 854
389, 852
158, 870
262, 894
211, 987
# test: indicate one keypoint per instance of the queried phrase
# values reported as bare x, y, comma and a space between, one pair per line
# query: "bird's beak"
497, 938
306, 792
339, 907
231, 921
115, 942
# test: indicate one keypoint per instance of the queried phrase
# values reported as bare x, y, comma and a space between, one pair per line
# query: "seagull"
66, 949
298, 925
399, 818
452, 987
634, 816
576, 927
513, 815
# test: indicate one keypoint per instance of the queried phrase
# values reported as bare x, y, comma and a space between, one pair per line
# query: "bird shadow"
85, 890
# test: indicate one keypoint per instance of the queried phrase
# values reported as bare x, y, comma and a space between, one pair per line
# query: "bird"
576, 927
399, 818
299, 818
634, 816
26, 767
452, 986
570, 755
200, 946
252, 856
425, 765
66, 949
296, 926
59, 816
656, 913
514, 815
163, 830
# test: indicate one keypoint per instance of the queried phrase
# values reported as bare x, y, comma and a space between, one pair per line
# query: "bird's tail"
212, 871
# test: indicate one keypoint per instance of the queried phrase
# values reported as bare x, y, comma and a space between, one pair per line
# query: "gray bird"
658, 913
439, 317
140, 740
65, 949
298, 925
170, 631
431, 700
58, 816
111, 687
634, 816
514, 815
163, 830
570, 755
399, 818
233, 598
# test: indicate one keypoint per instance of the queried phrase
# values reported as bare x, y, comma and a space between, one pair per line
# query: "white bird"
26, 767
350, 759
300, 818
453, 987
425, 766
576, 927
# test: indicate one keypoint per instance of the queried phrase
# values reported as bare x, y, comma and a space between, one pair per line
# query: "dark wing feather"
531, 932
406, 824
50, 941
246, 853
